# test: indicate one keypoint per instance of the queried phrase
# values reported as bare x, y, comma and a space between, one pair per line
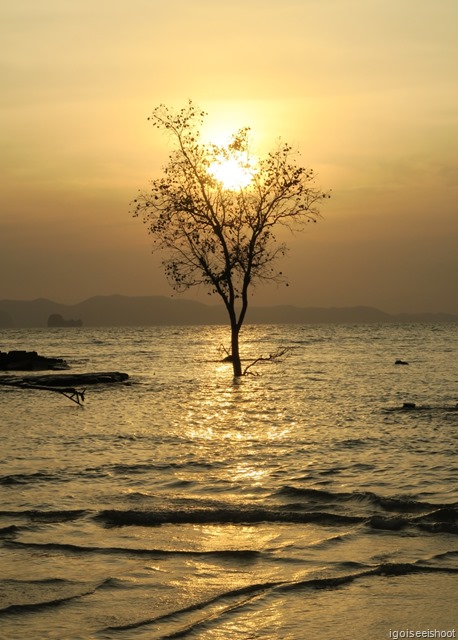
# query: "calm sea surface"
304, 502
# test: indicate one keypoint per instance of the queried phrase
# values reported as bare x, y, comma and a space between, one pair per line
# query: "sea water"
311, 500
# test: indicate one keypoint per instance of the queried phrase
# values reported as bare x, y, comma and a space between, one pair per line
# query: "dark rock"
29, 361
401, 362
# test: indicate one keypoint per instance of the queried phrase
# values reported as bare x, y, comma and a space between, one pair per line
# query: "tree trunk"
236, 363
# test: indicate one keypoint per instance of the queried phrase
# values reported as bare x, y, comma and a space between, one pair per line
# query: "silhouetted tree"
223, 238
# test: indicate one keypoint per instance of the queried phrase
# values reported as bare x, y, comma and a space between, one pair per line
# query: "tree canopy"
218, 236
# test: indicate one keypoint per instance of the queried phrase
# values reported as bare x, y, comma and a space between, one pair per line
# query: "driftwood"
69, 392
64, 379
58, 382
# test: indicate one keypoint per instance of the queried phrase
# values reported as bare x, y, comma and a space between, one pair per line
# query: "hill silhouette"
118, 310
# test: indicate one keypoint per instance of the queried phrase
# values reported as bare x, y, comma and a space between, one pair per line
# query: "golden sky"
367, 90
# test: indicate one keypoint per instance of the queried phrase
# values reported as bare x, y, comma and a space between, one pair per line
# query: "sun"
233, 173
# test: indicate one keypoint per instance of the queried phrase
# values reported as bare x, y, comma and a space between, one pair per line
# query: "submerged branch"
279, 353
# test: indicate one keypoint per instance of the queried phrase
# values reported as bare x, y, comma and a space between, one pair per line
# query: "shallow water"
302, 502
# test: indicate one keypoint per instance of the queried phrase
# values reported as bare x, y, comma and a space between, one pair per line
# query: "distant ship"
56, 320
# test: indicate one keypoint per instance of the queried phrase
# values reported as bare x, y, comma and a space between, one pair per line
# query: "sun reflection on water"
236, 412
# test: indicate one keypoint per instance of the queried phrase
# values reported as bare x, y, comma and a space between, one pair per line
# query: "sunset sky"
367, 90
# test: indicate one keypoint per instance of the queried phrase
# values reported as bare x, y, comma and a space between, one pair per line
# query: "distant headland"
56, 320
129, 311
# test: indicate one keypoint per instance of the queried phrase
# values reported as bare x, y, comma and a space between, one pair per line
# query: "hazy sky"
367, 90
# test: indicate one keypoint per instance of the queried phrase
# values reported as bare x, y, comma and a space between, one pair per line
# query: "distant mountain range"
117, 310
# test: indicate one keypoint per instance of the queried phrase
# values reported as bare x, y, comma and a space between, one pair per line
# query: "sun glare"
233, 173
